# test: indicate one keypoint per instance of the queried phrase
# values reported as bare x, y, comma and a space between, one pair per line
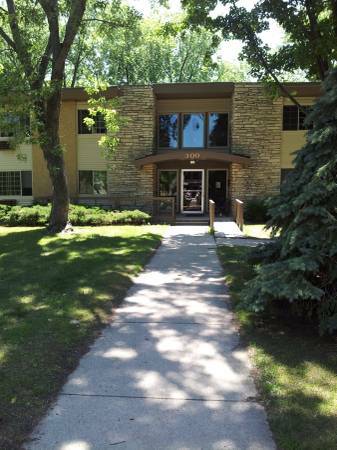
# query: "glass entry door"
192, 191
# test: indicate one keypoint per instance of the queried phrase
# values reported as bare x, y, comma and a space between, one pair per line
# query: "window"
293, 117
98, 127
168, 130
26, 183
194, 130
93, 182
285, 173
16, 183
217, 129
167, 183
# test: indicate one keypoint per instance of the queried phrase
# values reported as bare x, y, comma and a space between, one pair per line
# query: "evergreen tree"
301, 265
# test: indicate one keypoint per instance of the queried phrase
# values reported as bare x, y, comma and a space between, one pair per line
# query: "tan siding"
89, 154
194, 105
41, 181
291, 141
9, 158
301, 100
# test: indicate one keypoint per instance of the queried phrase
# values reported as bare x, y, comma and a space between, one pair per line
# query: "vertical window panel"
99, 183
194, 130
217, 129
167, 183
26, 183
290, 117
168, 130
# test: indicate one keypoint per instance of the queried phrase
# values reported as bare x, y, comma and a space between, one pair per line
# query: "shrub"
38, 215
256, 210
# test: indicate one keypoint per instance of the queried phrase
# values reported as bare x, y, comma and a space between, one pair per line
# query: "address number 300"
192, 155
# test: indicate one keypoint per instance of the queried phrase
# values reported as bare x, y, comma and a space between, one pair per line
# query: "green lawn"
296, 370
256, 231
55, 294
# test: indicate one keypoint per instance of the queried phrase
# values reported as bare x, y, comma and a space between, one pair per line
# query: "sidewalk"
169, 373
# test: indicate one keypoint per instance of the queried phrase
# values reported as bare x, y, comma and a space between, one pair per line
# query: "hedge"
38, 215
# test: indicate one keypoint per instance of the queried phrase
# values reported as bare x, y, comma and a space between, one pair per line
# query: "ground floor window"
168, 183
285, 173
93, 182
16, 183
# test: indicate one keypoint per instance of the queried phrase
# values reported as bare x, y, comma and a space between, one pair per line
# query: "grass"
256, 231
56, 293
296, 370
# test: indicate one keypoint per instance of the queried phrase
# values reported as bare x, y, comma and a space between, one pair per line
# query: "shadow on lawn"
297, 375
55, 293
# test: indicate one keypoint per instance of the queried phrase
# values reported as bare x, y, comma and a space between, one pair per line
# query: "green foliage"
256, 210
310, 47
145, 51
38, 215
56, 293
301, 266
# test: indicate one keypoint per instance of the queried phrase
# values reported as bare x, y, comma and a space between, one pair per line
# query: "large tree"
299, 266
310, 26
119, 46
38, 36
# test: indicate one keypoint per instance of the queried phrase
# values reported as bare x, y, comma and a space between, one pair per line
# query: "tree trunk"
49, 113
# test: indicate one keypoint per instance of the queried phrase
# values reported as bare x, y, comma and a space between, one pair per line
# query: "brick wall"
256, 132
125, 181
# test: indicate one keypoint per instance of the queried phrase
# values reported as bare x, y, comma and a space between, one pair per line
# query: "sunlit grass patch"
296, 369
55, 294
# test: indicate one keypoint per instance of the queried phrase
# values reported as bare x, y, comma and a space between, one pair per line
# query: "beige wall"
68, 133
18, 159
291, 141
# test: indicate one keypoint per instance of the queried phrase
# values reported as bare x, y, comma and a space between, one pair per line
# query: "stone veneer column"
126, 183
256, 132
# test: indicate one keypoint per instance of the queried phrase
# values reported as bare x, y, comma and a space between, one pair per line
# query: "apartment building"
188, 142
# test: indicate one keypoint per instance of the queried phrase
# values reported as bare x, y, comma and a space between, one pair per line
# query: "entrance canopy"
192, 155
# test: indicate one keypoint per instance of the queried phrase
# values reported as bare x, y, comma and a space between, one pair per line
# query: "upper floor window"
293, 117
168, 130
99, 123
193, 130
11, 124
217, 129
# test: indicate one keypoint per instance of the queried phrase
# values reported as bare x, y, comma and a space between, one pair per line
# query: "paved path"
169, 373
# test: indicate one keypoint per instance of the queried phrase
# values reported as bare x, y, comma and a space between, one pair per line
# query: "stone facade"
257, 133
129, 186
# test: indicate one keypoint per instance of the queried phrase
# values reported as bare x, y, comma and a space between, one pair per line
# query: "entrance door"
192, 191
217, 189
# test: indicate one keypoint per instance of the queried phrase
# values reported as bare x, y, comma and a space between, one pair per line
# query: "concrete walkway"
169, 373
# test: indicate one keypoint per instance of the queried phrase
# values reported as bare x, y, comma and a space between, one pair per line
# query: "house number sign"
192, 155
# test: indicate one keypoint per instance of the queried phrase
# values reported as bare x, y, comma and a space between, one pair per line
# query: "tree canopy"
118, 46
310, 26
